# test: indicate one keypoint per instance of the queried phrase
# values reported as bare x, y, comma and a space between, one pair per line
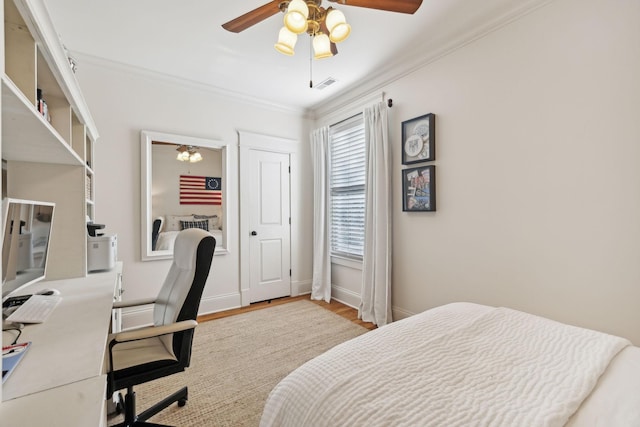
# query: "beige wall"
538, 188
125, 101
537, 145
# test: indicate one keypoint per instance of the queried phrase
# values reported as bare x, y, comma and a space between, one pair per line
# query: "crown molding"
186, 83
416, 59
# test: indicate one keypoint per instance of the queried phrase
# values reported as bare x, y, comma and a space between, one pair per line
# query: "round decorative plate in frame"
413, 145
418, 139
422, 129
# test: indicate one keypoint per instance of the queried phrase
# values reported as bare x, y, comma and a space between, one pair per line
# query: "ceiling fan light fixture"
286, 41
321, 46
188, 153
195, 157
337, 25
296, 17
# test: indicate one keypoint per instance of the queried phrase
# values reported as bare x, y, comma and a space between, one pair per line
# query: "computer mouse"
49, 292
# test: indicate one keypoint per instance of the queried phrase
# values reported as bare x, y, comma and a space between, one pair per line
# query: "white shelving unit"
47, 158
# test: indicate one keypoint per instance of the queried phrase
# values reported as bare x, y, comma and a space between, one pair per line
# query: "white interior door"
269, 225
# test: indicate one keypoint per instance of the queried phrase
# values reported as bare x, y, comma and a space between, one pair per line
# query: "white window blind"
347, 187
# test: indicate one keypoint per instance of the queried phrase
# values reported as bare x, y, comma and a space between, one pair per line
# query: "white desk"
78, 404
67, 354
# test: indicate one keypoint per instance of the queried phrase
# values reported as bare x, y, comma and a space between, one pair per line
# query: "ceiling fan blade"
334, 49
401, 6
257, 15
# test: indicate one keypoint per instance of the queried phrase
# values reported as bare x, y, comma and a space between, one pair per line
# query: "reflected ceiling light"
188, 153
325, 26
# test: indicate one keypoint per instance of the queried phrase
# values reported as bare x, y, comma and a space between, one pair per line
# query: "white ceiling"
184, 39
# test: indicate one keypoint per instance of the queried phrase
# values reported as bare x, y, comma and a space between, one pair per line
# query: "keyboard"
36, 309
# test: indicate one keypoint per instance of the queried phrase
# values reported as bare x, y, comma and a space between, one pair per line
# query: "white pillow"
173, 222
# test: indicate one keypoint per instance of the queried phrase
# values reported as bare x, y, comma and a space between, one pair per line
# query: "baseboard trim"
219, 303
300, 287
139, 317
400, 313
346, 296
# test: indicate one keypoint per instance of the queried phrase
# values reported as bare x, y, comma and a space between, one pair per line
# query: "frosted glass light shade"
195, 157
296, 17
337, 25
183, 156
286, 41
321, 46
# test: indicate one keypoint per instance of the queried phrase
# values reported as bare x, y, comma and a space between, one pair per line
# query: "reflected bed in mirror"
183, 186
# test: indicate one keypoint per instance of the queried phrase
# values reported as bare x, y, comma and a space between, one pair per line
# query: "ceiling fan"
326, 26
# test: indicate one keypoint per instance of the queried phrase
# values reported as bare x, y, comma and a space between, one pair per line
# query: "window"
347, 187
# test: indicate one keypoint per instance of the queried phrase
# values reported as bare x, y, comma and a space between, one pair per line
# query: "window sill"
346, 262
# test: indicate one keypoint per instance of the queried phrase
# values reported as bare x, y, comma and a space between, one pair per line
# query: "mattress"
446, 366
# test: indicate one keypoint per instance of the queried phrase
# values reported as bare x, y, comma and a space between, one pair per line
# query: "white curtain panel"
376, 269
321, 281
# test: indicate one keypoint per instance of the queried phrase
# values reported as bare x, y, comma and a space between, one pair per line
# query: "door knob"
253, 233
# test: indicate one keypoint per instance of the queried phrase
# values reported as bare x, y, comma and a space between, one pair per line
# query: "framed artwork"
419, 189
419, 139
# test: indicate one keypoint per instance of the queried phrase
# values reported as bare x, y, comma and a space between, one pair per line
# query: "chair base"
131, 419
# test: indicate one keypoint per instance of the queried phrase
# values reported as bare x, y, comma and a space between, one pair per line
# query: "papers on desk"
11, 356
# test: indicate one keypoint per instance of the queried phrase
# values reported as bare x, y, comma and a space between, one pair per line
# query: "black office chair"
155, 231
145, 354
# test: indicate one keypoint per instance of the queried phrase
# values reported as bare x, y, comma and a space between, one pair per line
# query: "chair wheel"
182, 402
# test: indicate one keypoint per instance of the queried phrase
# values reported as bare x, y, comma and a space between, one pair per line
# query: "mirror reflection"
184, 193
184, 184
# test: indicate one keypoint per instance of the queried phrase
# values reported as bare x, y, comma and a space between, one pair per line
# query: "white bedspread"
166, 239
450, 366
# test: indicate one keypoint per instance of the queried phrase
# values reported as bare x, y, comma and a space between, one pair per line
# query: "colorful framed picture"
419, 139
419, 189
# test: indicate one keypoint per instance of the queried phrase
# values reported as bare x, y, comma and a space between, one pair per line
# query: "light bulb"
337, 25
296, 17
286, 41
321, 46
195, 157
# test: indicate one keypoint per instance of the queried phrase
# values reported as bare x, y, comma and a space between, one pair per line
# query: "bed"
465, 364
166, 228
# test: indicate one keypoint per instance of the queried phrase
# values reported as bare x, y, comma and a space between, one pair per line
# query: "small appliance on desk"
102, 251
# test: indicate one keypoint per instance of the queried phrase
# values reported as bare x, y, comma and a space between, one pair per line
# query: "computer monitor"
26, 235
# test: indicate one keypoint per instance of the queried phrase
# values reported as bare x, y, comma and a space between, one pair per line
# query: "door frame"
248, 141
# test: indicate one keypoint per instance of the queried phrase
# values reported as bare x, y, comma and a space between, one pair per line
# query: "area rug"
237, 360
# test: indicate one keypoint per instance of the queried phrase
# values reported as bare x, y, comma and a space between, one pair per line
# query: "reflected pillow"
204, 225
173, 222
213, 220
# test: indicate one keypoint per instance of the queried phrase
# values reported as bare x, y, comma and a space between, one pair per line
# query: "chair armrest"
134, 303
153, 331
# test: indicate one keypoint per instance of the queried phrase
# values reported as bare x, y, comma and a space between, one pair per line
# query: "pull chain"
310, 63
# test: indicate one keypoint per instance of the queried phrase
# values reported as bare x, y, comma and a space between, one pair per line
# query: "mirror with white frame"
183, 185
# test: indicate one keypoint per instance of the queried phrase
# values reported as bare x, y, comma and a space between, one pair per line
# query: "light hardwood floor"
334, 306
